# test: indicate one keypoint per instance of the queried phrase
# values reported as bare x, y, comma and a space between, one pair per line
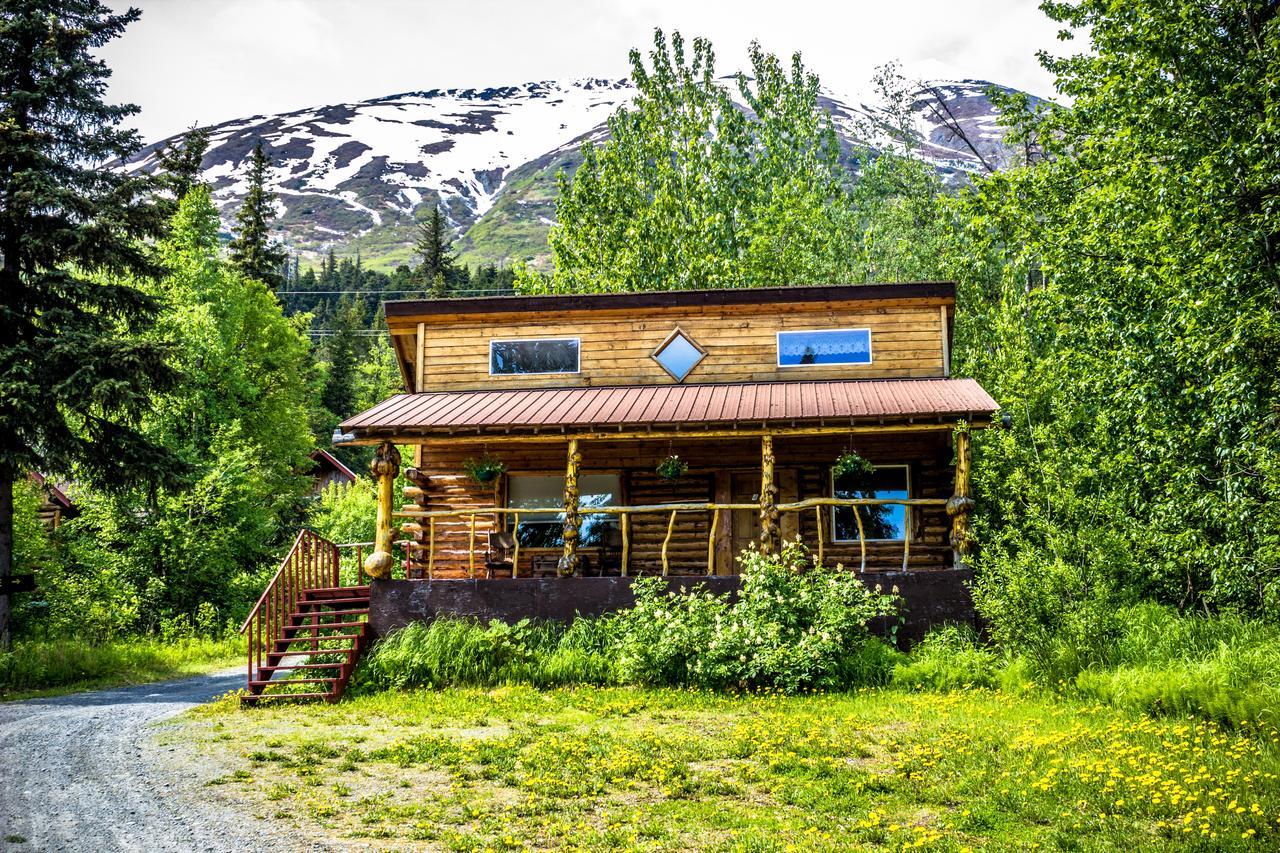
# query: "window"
878, 522
537, 355
829, 346
678, 355
546, 530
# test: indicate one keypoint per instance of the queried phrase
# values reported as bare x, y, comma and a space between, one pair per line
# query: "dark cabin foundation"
931, 598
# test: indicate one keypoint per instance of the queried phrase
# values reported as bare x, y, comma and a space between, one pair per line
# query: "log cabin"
561, 445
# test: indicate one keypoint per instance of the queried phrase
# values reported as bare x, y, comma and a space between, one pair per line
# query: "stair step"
278, 667
308, 626
290, 696
314, 601
288, 640
316, 592
357, 611
266, 682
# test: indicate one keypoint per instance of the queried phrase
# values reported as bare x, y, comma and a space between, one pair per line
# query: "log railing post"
626, 541
961, 503
570, 559
711, 542
770, 533
384, 467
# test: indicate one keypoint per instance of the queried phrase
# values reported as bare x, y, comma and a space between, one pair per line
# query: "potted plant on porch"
672, 468
483, 469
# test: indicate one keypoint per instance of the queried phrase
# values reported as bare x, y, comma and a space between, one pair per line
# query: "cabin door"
745, 488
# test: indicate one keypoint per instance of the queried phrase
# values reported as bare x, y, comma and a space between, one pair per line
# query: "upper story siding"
446, 343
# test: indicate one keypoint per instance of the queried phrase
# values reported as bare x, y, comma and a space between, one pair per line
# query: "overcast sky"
208, 61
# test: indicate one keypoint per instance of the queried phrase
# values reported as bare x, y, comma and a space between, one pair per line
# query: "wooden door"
745, 488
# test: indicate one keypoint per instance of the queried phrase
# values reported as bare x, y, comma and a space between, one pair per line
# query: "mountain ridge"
357, 176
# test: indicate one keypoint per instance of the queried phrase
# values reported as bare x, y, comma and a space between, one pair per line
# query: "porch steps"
319, 643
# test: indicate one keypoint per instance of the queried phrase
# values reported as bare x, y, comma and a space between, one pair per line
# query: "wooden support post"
960, 504
471, 548
862, 536
420, 368
515, 555
626, 542
384, 467
817, 514
711, 542
770, 532
431, 549
570, 560
671, 526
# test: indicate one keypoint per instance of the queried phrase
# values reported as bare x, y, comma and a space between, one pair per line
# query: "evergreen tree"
253, 251
437, 269
339, 391
180, 167
75, 375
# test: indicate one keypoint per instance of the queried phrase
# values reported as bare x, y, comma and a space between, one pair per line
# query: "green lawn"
518, 768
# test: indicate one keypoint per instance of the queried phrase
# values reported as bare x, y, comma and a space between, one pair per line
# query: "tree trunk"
6, 554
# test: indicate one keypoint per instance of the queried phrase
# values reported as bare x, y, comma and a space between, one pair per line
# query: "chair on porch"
499, 559
611, 551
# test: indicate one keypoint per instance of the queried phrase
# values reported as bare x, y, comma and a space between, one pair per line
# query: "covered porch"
579, 493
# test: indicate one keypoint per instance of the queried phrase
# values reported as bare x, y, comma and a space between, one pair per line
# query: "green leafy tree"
1135, 339
691, 191
253, 252
75, 375
438, 267
239, 421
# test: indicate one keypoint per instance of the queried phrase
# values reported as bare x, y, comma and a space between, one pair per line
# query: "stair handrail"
311, 563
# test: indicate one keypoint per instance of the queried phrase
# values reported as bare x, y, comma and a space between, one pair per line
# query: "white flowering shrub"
793, 626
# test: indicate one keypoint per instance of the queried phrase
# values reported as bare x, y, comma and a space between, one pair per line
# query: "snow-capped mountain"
355, 175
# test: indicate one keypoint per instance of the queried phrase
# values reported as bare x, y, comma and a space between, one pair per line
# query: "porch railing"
312, 563
424, 521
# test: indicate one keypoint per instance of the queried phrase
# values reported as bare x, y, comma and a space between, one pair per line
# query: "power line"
470, 291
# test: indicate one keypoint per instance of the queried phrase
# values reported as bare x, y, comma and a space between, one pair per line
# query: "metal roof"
640, 406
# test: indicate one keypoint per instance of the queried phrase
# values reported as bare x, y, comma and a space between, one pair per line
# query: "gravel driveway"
84, 772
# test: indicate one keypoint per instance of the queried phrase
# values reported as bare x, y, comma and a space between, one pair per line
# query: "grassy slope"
589, 768
41, 668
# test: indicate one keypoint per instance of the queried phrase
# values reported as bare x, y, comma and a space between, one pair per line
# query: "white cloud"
196, 60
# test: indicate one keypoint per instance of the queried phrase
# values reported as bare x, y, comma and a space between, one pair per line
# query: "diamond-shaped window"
679, 355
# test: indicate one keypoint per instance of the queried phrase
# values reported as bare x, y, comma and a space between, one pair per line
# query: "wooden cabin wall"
741, 343
440, 484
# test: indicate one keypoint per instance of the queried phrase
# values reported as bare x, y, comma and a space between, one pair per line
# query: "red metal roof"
437, 412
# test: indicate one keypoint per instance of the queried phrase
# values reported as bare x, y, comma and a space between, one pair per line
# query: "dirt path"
85, 772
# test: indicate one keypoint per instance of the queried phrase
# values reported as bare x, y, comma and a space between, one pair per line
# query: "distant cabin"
55, 505
328, 471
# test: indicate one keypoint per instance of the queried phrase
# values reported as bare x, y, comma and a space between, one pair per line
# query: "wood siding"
907, 340
803, 471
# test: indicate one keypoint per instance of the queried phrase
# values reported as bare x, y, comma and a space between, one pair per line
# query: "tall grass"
448, 652
36, 665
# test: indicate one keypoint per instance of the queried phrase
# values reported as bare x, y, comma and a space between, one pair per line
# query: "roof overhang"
659, 411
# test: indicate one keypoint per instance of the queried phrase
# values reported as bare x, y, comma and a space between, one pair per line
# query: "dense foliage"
76, 372
689, 191
792, 627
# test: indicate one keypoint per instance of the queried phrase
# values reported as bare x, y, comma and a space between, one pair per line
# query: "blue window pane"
835, 346
679, 357
878, 522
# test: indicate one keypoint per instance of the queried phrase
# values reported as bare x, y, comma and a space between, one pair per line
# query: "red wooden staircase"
307, 631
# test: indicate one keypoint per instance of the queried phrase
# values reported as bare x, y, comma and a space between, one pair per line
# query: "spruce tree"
180, 167
253, 252
75, 374
437, 269
338, 395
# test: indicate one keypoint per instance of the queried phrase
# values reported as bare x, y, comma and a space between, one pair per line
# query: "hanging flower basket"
483, 470
672, 468
850, 463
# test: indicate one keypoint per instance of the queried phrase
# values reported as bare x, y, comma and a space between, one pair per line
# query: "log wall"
907, 340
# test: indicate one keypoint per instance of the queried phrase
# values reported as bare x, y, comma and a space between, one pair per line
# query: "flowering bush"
793, 626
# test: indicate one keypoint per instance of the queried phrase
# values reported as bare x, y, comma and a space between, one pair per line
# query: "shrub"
949, 658
792, 627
